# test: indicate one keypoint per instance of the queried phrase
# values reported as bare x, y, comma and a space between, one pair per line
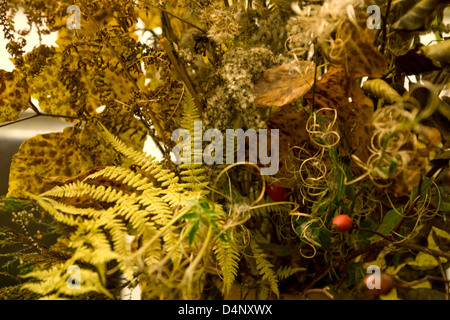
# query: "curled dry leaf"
292, 126
284, 84
415, 62
354, 51
354, 110
419, 16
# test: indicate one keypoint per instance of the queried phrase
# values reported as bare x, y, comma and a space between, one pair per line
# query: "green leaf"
350, 189
192, 232
322, 208
424, 187
325, 239
190, 216
340, 185
444, 206
392, 167
333, 155
390, 221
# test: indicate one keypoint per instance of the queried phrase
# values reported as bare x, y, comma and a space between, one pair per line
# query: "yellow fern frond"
286, 271
228, 258
192, 174
264, 267
190, 113
123, 175
79, 189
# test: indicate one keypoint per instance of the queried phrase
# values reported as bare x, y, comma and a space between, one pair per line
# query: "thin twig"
181, 72
416, 247
18, 120
175, 16
402, 284
385, 22
182, 20
444, 276
387, 238
408, 213
313, 89
33, 107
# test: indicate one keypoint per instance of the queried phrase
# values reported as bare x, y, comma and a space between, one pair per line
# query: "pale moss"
231, 105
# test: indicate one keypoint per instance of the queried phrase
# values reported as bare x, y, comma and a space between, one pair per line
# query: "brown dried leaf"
357, 56
284, 84
292, 126
292, 132
354, 109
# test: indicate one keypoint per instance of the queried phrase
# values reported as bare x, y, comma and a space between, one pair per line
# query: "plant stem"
444, 276
387, 238
385, 22
181, 72
18, 120
416, 247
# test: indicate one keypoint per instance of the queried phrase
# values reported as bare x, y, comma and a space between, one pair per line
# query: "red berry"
387, 283
277, 193
343, 222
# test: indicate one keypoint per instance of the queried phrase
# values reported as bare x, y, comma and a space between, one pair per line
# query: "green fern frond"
228, 258
286, 271
264, 267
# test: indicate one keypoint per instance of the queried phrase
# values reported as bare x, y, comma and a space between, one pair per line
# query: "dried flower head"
222, 23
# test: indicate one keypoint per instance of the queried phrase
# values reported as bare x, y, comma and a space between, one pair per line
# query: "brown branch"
416, 247
181, 72
18, 120
387, 238
403, 284
175, 16
444, 276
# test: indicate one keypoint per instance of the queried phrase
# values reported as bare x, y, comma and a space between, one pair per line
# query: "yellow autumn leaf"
393, 270
46, 155
14, 95
52, 94
423, 261
380, 260
69, 153
392, 295
432, 244
284, 84
423, 285
440, 233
